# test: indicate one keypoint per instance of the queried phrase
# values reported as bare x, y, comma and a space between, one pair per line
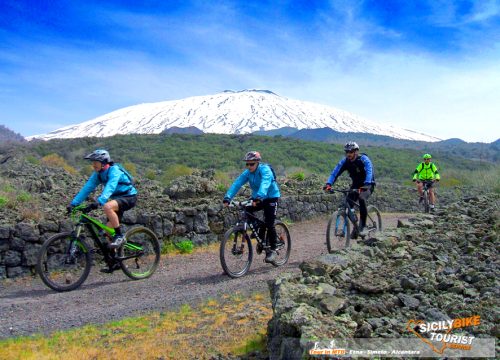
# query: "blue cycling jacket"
115, 182
360, 170
262, 183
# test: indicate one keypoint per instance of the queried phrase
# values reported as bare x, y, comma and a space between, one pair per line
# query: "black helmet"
252, 156
99, 155
351, 146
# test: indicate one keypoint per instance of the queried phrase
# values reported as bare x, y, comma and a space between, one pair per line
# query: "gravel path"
27, 306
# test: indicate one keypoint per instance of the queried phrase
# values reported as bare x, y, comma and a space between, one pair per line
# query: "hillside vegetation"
153, 155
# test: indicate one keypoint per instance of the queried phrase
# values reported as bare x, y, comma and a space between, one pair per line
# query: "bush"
54, 160
150, 174
180, 245
3, 201
223, 181
32, 160
131, 168
23, 196
174, 171
299, 176
185, 246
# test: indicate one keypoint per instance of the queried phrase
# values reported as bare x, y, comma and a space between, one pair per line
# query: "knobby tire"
60, 270
140, 255
373, 221
338, 232
284, 244
236, 253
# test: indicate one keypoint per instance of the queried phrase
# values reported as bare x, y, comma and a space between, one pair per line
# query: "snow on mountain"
228, 112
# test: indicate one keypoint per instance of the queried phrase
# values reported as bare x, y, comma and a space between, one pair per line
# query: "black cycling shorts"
125, 203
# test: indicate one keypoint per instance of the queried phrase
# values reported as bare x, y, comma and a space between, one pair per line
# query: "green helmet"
427, 156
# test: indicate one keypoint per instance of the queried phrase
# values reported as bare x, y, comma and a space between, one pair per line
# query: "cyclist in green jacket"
426, 171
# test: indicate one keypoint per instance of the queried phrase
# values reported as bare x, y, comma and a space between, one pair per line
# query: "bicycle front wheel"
373, 221
236, 253
140, 255
283, 244
64, 262
426, 202
338, 232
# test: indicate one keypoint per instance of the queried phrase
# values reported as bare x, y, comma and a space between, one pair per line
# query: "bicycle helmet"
252, 156
99, 155
351, 146
427, 156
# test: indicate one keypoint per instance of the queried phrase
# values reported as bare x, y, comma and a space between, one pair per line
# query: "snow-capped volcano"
228, 112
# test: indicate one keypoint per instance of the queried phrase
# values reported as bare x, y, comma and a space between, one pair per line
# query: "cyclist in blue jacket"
118, 194
265, 194
361, 172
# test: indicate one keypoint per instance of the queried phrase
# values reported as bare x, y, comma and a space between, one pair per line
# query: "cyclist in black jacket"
360, 170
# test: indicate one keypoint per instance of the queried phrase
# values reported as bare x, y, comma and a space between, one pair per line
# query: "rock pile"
432, 267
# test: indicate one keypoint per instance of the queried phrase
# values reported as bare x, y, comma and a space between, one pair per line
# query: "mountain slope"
7, 135
229, 112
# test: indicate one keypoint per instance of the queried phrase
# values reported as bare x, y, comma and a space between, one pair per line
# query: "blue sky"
430, 65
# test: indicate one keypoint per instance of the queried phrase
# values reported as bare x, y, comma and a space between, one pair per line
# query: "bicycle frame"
93, 226
346, 206
247, 220
426, 193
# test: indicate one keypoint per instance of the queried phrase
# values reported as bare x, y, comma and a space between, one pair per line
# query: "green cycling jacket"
426, 172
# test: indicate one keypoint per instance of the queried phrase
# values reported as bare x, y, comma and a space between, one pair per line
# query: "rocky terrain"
432, 267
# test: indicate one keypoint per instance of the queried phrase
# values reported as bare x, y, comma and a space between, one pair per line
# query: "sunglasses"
350, 152
250, 164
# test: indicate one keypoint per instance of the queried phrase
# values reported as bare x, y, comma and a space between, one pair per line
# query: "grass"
177, 246
231, 325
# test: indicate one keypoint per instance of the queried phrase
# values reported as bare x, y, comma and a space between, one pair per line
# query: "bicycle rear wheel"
236, 253
63, 262
140, 255
283, 244
373, 221
338, 232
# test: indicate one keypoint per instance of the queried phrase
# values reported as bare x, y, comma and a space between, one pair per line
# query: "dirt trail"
27, 306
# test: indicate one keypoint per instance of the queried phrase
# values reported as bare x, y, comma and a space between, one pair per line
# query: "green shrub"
223, 179
299, 176
150, 174
130, 167
180, 245
23, 196
222, 188
174, 171
3, 201
185, 246
32, 160
167, 248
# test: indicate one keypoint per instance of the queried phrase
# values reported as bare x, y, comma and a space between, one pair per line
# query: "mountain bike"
427, 184
236, 250
65, 259
338, 232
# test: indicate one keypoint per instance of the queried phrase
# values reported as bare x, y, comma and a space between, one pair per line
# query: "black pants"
270, 207
363, 209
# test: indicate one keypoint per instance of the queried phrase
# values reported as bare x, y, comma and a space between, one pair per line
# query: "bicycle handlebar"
81, 208
343, 191
233, 203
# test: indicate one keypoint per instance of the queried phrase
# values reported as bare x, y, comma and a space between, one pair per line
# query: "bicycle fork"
341, 225
238, 250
